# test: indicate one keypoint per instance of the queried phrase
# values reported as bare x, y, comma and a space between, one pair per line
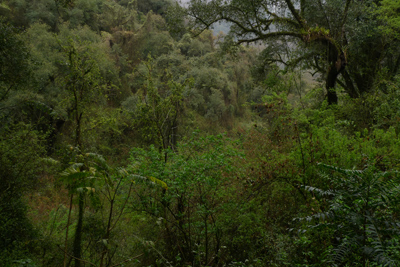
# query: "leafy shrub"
192, 212
362, 215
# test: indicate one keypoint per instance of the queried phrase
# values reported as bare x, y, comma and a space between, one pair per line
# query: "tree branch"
271, 34
295, 14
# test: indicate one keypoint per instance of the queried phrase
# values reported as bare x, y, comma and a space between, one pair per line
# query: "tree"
321, 29
21, 153
158, 108
21, 146
388, 12
194, 212
82, 81
115, 16
14, 57
110, 190
157, 6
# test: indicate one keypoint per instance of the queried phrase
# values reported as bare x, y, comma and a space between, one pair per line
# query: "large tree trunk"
337, 65
330, 85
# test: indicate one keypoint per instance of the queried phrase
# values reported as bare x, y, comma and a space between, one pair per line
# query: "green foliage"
20, 163
14, 57
157, 108
108, 190
73, 73
157, 6
362, 207
284, 150
383, 104
196, 47
81, 81
115, 16
54, 13
109, 76
46, 11
84, 12
175, 17
192, 211
150, 39
388, 12
331, 38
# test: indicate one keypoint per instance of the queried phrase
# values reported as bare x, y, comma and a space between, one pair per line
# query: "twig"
76, 257
127, 260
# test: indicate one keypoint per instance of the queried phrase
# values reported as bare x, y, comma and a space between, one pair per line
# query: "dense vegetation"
131, 134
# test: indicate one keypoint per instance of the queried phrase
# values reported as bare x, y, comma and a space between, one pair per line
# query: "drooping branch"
293, 63
270, 35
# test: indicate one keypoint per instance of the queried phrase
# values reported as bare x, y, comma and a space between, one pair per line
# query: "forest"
206, 133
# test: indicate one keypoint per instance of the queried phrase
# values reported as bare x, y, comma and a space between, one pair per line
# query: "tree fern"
91, 176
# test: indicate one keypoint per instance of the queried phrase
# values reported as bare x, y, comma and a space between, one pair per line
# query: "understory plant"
192, 213
360, 210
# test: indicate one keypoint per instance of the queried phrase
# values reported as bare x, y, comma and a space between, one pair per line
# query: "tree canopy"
337, 39
132, 134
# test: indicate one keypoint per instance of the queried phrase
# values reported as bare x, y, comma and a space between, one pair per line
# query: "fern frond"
159, 182
75, 176
122, 172
320, 192
50, 161
378, 250
341, 252
99, 160
74, 168
362, 202
340, 170
85, 189
149, 180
